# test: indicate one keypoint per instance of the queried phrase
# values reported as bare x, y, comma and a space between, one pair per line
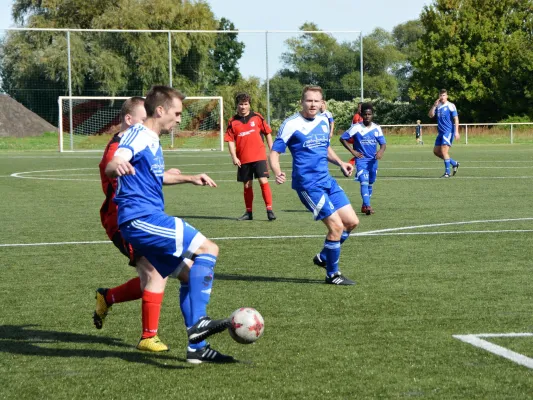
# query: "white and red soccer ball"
247, 325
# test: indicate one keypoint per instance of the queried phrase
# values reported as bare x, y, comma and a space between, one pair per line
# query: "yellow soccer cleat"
101, 308
153, 344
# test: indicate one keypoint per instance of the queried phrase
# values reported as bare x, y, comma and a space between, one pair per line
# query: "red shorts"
125, 248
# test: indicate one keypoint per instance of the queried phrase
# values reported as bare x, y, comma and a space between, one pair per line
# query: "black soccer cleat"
207, 354
454, 169
206, 327
339, 280
445, 176
319, 262
270, 215
247, 216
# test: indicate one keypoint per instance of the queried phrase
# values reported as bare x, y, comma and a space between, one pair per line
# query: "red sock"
248, 198
151, 308
131, 290
267, 195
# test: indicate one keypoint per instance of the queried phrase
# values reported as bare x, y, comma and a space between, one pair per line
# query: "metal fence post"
466, 134
511, 133
71, 124
267, 77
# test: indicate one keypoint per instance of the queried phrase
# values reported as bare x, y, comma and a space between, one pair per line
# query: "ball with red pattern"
247, 325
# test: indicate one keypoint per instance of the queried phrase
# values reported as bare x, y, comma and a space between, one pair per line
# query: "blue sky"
272, 15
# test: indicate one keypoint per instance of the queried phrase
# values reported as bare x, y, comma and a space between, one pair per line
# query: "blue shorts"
323, 202
366, 171
444, 139
164, 240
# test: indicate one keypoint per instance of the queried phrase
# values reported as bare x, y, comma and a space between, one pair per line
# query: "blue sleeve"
279, 145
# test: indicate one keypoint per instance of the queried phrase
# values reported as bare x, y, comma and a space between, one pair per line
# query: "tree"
482, 52
226, 54
34, 68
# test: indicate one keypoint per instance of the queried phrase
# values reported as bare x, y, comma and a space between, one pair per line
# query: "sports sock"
186, 310
249, 198
151, 308
370, 189
267, 195
200, 284
453, 162
323, 256
332, 248
364, 194
131, 290
447, 166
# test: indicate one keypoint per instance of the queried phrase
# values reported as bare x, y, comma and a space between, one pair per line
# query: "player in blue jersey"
448, 129
165, 241
366, 136
324, 111
306, 134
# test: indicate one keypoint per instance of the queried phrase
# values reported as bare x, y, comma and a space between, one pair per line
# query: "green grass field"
439, 258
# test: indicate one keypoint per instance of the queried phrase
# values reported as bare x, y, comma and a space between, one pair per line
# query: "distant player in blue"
366, 136
306, 134
324, 111
418, 132
448, 129
164, 240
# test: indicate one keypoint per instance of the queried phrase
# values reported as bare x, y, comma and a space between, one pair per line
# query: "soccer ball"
247, 325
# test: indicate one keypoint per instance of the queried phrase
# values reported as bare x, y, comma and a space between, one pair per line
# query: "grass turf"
388, 337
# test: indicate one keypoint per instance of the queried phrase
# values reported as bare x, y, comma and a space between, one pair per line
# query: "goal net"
87, 124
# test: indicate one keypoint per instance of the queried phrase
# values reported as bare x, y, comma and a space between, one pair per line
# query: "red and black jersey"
357, 118
108, 211
246, 133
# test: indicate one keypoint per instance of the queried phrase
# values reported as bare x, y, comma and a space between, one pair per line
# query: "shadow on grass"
25, 340
204, 217
248, 278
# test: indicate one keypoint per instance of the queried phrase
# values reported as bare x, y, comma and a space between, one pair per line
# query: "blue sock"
453, 162
365, 194
370, 188
323, 256
186, 310
200, 284
332, 248
447, 166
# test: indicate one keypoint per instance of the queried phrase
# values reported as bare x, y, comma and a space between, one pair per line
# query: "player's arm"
331, 129
346, 168
269, 140
456, 122
382, 148
198, 180
433, 108
233, 154
120, 164
347, 146
276, 168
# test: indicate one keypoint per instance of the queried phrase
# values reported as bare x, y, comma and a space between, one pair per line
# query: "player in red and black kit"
247, 151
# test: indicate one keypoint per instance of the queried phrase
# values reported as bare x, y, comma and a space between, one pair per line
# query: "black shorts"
257, 169
125, 248
417, 135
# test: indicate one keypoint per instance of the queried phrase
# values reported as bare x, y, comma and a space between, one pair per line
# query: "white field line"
475, 340
381, 232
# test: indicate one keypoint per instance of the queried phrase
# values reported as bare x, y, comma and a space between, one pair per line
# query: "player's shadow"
204, 217
28, 341
296, 211
255, 278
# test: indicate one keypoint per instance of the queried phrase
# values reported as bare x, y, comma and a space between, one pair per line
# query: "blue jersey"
445, 114
308, 142
140, 194
365, 139
329, 116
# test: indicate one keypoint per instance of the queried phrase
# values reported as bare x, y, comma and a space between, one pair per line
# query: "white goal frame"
70, 98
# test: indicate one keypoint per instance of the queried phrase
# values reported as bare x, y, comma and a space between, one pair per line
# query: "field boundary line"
477, 341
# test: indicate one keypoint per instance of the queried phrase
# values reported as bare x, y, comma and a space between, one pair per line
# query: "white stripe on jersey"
147, 228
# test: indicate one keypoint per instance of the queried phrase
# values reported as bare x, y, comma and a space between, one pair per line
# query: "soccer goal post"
86, 123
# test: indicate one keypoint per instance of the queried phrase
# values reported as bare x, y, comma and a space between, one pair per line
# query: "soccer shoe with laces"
206, 327
207, 354
368, 210
319, 262
152, 344
339, 279
445, 176
101, 309
455, 168
270, 215
247, 216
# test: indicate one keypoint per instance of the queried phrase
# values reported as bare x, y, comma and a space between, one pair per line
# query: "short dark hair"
129, 105
312, 88
367, 106
161, 96
242, 97
442, 91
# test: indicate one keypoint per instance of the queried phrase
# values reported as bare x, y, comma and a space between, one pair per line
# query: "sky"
289, 15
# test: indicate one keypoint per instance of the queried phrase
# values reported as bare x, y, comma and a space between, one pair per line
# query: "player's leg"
372, 175
261, 172
446, 157
245, 175
362, 176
